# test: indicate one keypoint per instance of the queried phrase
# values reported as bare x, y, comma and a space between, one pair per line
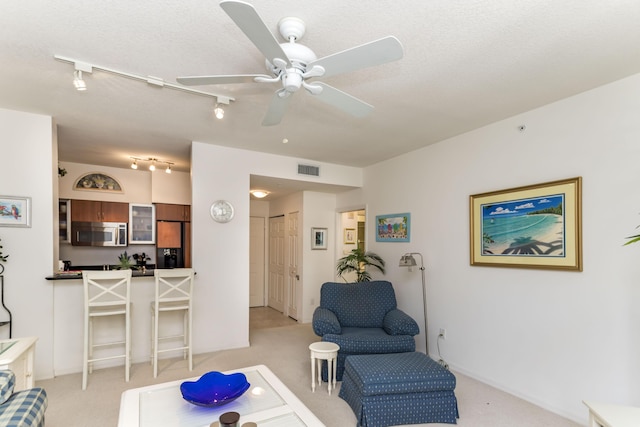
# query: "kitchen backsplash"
79, 255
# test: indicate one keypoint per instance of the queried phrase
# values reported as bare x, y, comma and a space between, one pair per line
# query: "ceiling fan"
295, 65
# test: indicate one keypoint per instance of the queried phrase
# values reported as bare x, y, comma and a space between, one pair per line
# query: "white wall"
552, 337
221, 251
27, 161
318, 265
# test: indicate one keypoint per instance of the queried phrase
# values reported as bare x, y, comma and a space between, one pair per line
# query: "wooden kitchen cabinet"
168, 212
169, 234
97, 211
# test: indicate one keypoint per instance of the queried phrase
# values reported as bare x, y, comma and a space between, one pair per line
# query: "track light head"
134, 164
218, 112
78, 82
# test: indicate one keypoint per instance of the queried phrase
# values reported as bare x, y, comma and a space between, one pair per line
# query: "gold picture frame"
349, 236
535, 226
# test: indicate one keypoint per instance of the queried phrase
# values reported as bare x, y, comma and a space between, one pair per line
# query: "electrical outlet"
443, 333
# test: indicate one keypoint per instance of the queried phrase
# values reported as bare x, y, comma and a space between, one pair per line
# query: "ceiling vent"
308, 170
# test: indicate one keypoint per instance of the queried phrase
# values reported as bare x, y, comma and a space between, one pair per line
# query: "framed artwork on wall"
349, 236
536, 226
97, 181
393, 227
15, 211
318, 238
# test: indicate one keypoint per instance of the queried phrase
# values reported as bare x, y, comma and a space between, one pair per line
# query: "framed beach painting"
15, 211
537, 226
393, 227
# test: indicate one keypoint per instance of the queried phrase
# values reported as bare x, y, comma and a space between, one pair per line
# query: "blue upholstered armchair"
362, 318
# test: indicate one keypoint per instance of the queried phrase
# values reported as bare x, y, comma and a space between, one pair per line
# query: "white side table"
18, 354
607, 415
323, 351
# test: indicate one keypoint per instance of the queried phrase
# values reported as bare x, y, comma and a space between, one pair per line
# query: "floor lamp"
408, 260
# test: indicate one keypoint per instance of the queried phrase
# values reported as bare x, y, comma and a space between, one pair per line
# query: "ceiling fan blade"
377, 52
248, 20
343, 101
276, 110
219, 80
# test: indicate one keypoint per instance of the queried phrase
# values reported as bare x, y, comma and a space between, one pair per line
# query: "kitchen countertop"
77, 274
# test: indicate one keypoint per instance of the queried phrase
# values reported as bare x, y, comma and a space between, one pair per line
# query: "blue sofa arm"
24, 408
397, 322
325, 322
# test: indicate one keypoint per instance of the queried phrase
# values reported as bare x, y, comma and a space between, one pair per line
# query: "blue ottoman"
398, 388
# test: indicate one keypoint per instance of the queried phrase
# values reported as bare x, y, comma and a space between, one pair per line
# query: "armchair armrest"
325, 322
397, 322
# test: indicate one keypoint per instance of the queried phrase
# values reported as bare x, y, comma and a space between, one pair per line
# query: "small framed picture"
318, 238
15, 211
349, 236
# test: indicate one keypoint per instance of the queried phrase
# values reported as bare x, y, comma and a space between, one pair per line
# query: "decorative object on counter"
222, 211
214, 388
15, 211
358, 261
3, 258
124, 261
97, 181
141, 259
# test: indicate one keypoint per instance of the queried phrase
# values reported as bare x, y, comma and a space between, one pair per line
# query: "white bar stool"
174, 289
106, 293
323, 351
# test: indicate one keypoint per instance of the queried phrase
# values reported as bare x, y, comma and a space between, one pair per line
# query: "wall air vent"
308, 170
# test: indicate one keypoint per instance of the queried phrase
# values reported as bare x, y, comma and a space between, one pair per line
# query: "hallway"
267, 317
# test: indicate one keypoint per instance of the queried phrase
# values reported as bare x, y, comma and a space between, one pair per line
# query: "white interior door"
276, 263
293, 277
256, 262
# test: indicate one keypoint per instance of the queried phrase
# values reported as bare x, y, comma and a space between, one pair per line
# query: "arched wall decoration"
97, 181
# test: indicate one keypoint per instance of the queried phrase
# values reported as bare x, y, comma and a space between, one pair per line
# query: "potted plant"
124, 261
359, 260
634, 239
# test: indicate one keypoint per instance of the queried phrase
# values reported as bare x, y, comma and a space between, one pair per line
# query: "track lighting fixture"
152, 164
218, 111
83, 67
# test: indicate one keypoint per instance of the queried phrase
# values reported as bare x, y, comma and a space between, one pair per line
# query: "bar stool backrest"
103, 289
174, 285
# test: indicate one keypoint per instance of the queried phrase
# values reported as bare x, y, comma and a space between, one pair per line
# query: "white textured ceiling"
466, 64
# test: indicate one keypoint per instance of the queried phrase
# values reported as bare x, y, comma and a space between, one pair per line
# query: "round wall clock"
222, 211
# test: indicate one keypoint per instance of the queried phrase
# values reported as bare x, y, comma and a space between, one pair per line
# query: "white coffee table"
268, 402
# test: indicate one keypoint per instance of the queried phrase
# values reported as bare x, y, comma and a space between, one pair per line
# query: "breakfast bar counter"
68, 306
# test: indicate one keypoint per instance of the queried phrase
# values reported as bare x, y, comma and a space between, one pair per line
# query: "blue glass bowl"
214, 389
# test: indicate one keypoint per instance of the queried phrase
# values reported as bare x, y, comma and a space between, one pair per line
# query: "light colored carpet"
285, 351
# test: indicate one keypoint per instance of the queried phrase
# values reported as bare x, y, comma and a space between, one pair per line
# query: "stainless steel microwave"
99, 233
